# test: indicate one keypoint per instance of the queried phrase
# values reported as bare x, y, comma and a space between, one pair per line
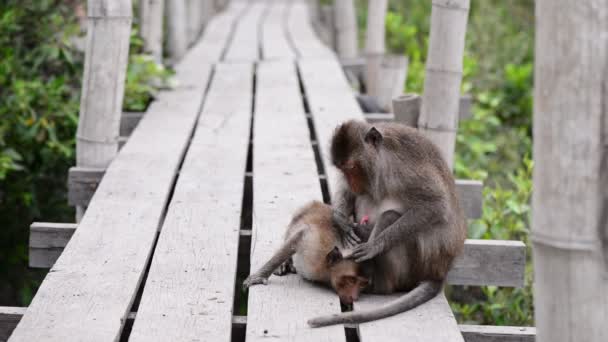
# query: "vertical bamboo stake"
151, 26
105, 66
328, 31
207, 11
440, 100
177, 36
346, 28
391, 79
194, 19
374, 44
570, 199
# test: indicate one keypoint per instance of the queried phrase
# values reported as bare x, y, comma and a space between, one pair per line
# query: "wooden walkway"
227, 156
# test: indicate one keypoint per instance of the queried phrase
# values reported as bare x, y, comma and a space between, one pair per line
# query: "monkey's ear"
373, 136
333, 256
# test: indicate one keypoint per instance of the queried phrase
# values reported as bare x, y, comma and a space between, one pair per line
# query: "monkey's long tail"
424, 292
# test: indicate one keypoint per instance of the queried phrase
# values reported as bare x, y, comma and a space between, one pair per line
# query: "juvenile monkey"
396, 180
312, 247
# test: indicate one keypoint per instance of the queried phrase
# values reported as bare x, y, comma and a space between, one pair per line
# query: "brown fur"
405, 173
310, 240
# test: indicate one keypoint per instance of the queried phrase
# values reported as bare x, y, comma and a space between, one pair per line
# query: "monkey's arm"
346, 229
344, 208
283, 254
418, 218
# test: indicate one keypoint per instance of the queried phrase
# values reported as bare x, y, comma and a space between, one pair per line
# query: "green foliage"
495, 144
39, 82
40, 76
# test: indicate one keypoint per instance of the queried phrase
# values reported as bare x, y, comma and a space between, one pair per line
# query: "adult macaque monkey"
396, 180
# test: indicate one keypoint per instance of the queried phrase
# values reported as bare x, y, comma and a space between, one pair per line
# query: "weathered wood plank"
9, 318
432, 321
128, 122
302, 35
464, 111
470, 193
190, 286
245, 45
492, 333
490, 262
88, 298
280, 309
484, 262
275, 43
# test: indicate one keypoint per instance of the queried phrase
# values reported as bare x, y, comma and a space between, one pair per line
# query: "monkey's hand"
254, 279
367, 250
347, 229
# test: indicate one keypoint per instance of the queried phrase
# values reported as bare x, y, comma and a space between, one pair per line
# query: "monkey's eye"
350, 280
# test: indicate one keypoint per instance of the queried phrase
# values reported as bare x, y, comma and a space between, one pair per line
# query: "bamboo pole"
105, 66
177, 39
346, 28
194, 10
328, 30
440, 100
207, 11
570, 199
151, 27
391, 79
374, 44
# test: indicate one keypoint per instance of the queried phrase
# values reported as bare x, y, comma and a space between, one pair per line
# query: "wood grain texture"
88, 298
9, 318
303, 37
190, 286
470, 193
128, 122
432, 321
492, 333
439, 113
275, 42
285, 178
177, 29
490, 262
245, 44
82, 184
570, 198
345, 20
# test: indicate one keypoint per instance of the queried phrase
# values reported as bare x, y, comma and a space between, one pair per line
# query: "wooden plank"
9, 318
464, 111
190, 287
128, 122
302, 35
331, 102
245, 45
492, 333
280, 309
216, 35
470, 193
490, 262
82, 184
433, 321
484, 262
88, 298
275, 43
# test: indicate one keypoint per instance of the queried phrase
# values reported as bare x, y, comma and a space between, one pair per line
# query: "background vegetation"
40, 75
494, 145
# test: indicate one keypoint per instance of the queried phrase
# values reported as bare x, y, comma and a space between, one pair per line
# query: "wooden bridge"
201, 192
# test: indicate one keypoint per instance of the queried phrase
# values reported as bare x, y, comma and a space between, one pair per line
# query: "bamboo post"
313, 10
391, 79
570, 199
374, 44
406, 108
207, 11
440, 100
194, 19
105, 66
346, 28
151, 26
328, 33
177, 36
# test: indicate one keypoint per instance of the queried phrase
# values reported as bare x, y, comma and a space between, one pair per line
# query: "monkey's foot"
285, 268
254, 279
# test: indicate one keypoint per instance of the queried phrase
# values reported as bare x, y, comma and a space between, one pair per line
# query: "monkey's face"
344, 277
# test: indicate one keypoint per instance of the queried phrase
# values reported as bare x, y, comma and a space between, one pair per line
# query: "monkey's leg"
283, 254
415, 220
285, 268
